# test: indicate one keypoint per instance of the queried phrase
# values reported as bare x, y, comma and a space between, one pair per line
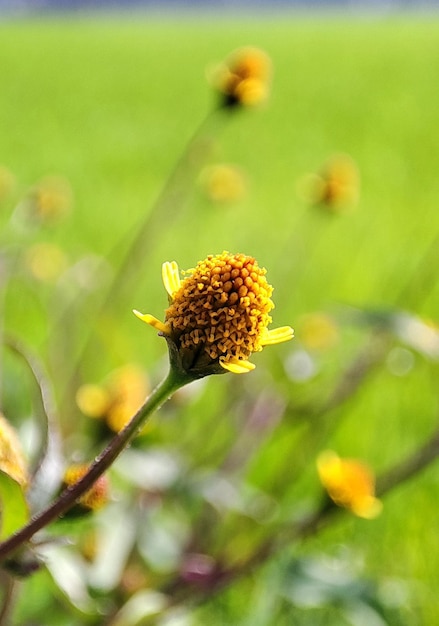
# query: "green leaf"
14, 511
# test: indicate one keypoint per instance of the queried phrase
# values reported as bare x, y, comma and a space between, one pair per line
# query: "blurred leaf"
113, 547
68, 571
419, 334
14, 509
143, 604
47, 453
156, 469
415, 332
319, 583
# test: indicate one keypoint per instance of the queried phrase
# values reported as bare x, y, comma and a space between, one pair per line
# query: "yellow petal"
277, 335
153, 321
171, 277
12, 461
237, 366
368, 507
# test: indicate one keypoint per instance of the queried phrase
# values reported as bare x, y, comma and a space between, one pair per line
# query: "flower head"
336, 187
243, 78
117, 399
47, 202
45, 261
223, 183
349, 484
93, 499
218, 315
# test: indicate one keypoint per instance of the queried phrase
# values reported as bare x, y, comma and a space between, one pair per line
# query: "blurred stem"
6, 262
369, 357
2, 332
402, 471
8, 584
422, 280
278, 540
174, 380
410, 466
164, 210
161, 216
322, 417
311, 523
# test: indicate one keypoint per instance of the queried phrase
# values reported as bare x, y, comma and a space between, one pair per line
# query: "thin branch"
410, 466
422, 279
70, 495
164, 210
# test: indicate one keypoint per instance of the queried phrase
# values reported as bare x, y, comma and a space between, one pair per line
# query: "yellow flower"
223, 183
318, 331
46, 261
12, 461
93, 400
218, 315
336, 188
118, 399
48, 201
244, 77
349, 483
93, 499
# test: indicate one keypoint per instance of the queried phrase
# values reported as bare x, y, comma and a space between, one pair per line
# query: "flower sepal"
191, 363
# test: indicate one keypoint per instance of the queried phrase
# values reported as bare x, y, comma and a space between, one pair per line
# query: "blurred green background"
110, 103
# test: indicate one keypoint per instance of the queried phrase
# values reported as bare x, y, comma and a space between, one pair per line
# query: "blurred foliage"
115, 157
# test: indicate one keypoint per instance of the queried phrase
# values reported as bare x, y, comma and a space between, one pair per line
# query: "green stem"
70, 495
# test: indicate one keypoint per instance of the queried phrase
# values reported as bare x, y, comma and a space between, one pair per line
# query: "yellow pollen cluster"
244, 77
224, 306
117, 399
337, 187
49, 200
96, 497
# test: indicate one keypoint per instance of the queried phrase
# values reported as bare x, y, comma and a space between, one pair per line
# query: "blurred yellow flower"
48, 201
223, 183
93, 499
318, 331
118, 399
244, 77
45, 261
337, 187
12, 461
93, 400
218, 315
349, 483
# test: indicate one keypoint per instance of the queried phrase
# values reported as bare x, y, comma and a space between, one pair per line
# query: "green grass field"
110, 104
